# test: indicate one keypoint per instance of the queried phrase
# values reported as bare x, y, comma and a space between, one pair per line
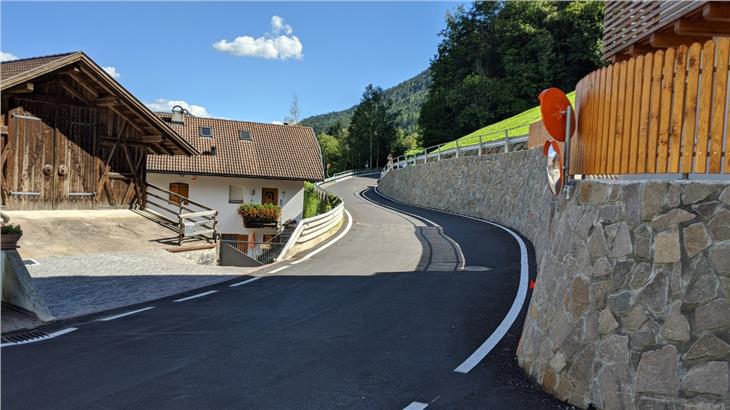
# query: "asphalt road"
378, 320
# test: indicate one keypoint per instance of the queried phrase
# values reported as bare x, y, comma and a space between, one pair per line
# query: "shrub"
259, 214
8, 229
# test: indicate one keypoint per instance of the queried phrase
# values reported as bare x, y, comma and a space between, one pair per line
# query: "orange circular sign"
553, 106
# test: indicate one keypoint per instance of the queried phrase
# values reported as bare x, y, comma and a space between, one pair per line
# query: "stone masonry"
631, 309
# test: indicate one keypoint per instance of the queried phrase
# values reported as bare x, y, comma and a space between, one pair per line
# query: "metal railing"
351, 172
263, 252
189, 218
454, 149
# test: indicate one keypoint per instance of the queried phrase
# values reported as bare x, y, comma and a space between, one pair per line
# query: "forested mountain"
406, 97
496, 57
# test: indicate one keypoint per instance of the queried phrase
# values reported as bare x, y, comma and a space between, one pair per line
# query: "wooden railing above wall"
662, 112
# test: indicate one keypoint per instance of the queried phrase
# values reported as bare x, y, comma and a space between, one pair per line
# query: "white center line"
279, 269
125, 314
245, 282
416, 405
199, 295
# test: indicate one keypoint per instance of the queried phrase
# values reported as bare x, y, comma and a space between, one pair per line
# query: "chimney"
178, 115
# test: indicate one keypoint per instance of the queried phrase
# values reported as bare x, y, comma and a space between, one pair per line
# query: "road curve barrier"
313, 231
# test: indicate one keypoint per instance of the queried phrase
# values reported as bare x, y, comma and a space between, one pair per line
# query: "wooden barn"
74, 138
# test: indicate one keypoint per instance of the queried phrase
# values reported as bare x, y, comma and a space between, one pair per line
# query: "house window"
244, 135
206, 132
178, 190
235, 194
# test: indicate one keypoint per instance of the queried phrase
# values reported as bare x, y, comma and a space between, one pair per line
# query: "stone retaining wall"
632, 303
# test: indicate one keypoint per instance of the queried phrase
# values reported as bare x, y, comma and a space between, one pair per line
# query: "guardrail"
438, 152
349, 173
309, 229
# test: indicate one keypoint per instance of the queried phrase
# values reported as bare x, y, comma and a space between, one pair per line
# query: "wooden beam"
125, 118
67, 87
74, 74
23, 89
107, 101
150, 138
640, 49
716, 11
701, 28
669, 39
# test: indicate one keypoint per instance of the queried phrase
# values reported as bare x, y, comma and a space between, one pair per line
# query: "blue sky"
325, 53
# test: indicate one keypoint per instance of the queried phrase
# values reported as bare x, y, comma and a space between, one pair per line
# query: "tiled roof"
274, 151
12, 68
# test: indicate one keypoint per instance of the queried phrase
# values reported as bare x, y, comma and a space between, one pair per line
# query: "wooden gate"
48, 157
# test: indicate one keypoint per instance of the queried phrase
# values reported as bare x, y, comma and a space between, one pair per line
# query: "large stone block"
696, 239
642, 236
720, 225
725, 196
597, 245
653, 199
707, 346
654, 295
606, 322
707, 378
695, 192
666, 246
719, 255
676, 327
713, 315
657, 372
703, 284
673, 217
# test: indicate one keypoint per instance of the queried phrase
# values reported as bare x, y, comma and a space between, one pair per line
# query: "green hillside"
516, 126
407, 98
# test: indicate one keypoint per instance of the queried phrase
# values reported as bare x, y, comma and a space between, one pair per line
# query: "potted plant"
9, 236
259, 216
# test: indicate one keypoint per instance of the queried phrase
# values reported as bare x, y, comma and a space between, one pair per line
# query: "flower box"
260, 216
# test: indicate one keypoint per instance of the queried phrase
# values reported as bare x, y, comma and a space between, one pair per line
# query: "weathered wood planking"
705, 108
53, 156
719, 111
663, 112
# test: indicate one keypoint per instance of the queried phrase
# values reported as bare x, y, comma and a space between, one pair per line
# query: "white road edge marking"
38, 339
245, 282
279, 269
330, 243
199, 295
416, 405
106, 319
514, 311
462, 258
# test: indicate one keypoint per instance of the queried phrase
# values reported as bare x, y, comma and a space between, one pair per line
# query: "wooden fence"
663, 112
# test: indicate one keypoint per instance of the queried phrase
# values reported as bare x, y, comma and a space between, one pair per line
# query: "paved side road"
379, 319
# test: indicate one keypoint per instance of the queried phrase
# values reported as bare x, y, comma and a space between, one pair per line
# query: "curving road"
379, 319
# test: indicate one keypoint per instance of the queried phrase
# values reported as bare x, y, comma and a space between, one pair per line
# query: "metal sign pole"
568, 182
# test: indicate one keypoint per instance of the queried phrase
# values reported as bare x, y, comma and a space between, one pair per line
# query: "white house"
242, 162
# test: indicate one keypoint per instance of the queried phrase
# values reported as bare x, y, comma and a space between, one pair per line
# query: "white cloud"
277, 122
7, 56
112, 71
165, 105
278, 25
280, 44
